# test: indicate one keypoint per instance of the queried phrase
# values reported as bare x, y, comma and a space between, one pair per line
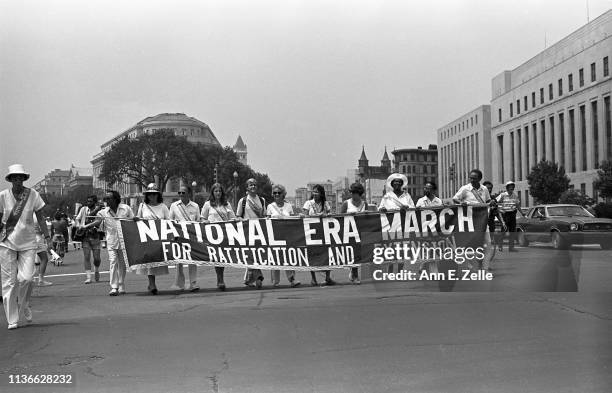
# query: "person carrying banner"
355, 204
153, 208
90, 239
110, 216
217, 209
509, 205
318, 206
252, 206
471, 194
396, 198
430, 198
18, 207
279, 209
185, 210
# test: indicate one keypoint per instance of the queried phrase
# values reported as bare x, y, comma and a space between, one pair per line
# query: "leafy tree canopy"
547, 181
603, 183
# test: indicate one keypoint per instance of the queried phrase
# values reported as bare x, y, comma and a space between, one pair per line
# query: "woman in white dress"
354, 205
153, 208
280, 209
396, 198
318, 206
216, 209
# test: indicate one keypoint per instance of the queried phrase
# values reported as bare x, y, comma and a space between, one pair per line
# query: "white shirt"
425, 202
392, 202
181, 212
148, 212
275, 211
316, 209
217, 213
23, 237
252, 204
350, 208
466, 195
508, 202
110, 224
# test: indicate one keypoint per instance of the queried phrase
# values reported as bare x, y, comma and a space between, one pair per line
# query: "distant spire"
363, 156
385, 156
239, 143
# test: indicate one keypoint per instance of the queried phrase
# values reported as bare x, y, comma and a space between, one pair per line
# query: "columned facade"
555, 107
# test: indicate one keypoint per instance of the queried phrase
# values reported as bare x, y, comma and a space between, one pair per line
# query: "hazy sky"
305, 83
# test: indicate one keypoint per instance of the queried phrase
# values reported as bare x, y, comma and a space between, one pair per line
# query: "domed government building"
193, 129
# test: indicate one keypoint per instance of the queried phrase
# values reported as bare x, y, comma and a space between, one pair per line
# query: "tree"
547, 182
140, 160
603, 183
576, 197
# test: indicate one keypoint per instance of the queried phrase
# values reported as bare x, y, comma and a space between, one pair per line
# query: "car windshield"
568, 211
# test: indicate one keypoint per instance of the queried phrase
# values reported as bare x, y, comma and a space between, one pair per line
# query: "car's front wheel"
558, 242
522, 239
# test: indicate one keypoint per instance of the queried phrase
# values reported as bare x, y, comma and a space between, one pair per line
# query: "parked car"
564, 225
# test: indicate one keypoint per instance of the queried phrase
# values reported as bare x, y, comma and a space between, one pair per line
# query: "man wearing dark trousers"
509, 204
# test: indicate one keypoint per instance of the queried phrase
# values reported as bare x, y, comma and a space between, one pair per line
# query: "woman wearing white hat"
396, 198
18, 207
153, 208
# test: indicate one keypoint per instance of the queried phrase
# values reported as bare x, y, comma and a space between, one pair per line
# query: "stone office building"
555, 107
464, 144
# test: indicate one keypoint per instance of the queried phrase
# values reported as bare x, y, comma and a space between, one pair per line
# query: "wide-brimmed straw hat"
152, 189
16, 169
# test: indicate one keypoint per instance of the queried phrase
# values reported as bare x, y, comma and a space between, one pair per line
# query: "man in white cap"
185, 210
509, 204
18, 207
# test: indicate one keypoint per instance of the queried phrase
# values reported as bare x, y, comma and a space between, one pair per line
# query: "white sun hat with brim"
152, 189
510, 183
395, 176
16, 169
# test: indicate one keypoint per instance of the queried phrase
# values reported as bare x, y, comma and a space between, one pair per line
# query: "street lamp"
235, 188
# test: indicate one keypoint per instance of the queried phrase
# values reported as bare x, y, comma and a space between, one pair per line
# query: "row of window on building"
457, 159
535, 136
407, 169
460, 126
560, 90
420, 157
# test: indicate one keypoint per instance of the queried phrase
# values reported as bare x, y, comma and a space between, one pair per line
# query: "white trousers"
180, 275
17, 275
117, 268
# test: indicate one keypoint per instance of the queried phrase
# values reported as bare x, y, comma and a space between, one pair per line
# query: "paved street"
377, 337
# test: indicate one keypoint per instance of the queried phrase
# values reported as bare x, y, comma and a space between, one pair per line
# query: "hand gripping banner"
454, 233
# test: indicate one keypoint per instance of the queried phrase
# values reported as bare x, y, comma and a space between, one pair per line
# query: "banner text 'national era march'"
310, 243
